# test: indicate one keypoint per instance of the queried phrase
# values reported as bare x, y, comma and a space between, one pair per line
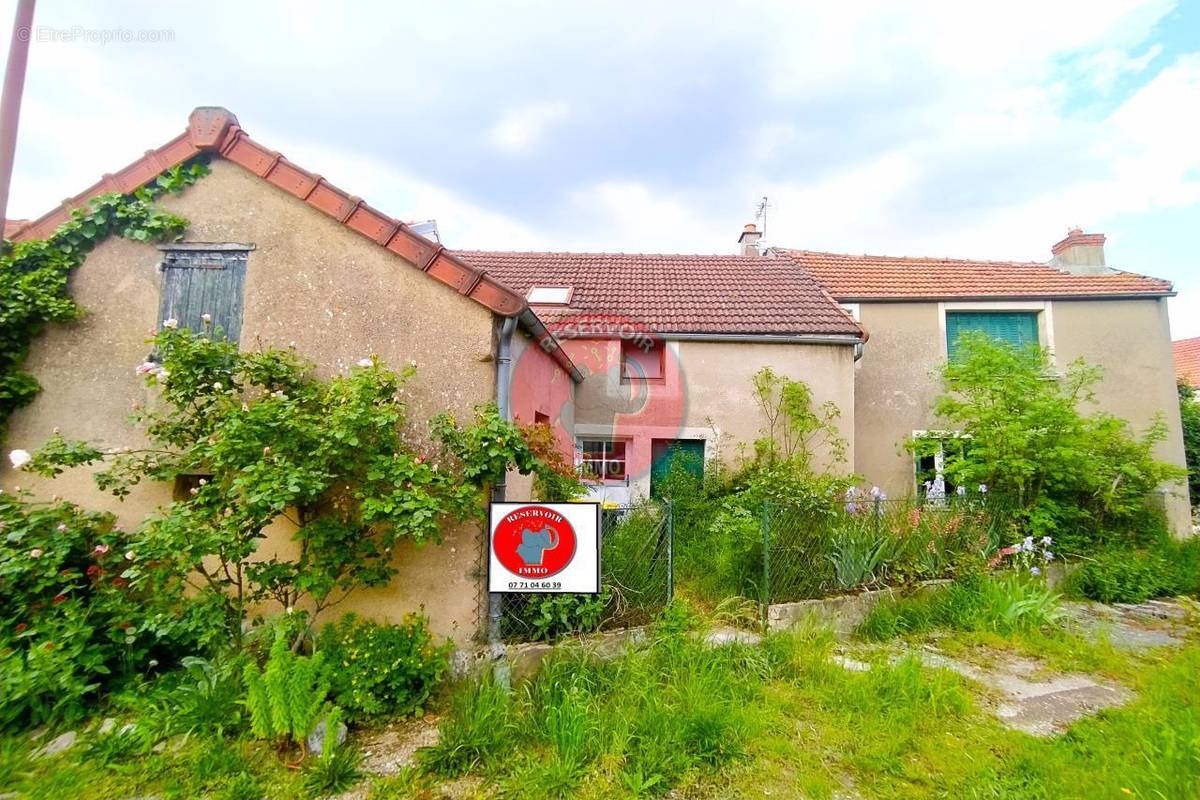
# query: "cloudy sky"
924, 128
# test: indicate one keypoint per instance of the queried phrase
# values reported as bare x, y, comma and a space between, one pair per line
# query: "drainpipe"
500, 666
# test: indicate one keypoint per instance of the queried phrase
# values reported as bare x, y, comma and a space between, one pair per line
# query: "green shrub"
376, 669
71, 625
1124, 575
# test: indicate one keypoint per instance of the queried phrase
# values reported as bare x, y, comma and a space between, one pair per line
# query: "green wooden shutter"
204, 281
1017, 328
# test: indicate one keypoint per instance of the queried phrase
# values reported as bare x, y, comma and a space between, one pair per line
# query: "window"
1018, 328
541, 419
202, 287
642, 359
604, 459
550, 295
933, 454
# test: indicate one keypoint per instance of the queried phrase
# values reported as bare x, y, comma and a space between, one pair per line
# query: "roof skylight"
550, 295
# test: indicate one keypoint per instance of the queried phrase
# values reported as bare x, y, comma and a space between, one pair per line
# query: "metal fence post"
670, 550
766, 561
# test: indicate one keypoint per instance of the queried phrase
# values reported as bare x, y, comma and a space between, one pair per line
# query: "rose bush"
71, 622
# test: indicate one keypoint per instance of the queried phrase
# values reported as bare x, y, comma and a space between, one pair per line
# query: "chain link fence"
772, 553
808, 553
636, 555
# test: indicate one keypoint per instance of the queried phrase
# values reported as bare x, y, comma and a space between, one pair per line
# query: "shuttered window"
199, 280
1018, 328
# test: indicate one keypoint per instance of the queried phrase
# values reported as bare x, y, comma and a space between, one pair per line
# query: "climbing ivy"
34, 274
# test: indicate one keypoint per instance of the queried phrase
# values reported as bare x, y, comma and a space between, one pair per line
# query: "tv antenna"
760, 212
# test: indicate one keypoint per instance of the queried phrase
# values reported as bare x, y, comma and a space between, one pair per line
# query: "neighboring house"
668, 346
1187, 361
716, 320
1075, 306
279, 257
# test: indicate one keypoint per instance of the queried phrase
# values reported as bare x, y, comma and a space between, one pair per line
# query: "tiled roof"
1187, 361
851, 277
216, 131
676, 293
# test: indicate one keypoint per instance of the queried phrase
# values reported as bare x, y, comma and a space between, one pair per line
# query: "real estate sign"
544, 547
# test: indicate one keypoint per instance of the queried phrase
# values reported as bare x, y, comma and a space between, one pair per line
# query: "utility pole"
10, 101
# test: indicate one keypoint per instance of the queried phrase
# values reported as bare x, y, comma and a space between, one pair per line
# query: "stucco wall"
539, 385
706, 393
1131, 340
310, 282
898, 377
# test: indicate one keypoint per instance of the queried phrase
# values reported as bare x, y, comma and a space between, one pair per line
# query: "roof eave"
216, 131
549, 343
971, 298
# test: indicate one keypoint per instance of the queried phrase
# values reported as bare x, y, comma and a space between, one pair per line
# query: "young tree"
258, 441
1189, 412
1028, 439
795, 426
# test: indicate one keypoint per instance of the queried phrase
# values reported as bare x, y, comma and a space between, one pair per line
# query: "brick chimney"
1080, 253
749, 240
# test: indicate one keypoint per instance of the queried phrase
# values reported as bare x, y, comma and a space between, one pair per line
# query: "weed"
334, 771
477, 729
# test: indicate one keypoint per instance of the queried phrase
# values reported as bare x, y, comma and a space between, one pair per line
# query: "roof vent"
550, 295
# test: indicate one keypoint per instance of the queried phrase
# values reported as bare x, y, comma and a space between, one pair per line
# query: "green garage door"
1018, 328
669, 454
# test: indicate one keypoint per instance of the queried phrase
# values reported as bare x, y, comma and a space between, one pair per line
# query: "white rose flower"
366, 362
130, 555
207, 318
171, 323
19, 458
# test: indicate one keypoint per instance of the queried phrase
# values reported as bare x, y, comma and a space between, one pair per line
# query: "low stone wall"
843, 613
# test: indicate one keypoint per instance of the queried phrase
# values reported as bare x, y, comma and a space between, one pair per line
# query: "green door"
686, 455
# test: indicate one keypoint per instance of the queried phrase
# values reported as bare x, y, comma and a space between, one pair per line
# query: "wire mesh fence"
636, 581
811, 552
769, 553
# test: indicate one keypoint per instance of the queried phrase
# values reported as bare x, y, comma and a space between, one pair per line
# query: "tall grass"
639, 723
998, 603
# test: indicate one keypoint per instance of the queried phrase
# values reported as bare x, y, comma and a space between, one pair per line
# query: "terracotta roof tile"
854, 277
1187, 361
216, 131
676, 293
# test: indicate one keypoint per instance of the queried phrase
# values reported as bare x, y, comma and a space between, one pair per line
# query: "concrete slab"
1038, 706
718, 637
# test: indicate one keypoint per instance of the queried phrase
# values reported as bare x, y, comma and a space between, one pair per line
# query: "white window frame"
939, 458
550, 295
605, 459
1043, 308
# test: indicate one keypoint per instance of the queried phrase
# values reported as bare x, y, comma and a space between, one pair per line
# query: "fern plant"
286, 697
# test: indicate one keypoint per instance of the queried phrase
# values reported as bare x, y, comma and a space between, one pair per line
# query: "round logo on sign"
534, 542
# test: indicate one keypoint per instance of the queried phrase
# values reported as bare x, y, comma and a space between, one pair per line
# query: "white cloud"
461, 223
524, 128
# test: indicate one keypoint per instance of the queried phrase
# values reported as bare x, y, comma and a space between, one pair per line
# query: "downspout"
500, 666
